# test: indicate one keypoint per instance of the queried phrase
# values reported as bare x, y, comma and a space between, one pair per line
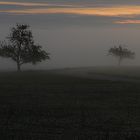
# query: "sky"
75, 32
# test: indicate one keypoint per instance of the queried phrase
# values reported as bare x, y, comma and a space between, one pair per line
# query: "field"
51, 105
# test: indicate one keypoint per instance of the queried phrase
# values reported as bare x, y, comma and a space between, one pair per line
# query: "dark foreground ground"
46, 106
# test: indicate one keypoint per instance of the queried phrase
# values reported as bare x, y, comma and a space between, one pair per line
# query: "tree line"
21, 48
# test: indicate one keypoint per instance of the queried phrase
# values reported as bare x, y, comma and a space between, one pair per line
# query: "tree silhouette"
121, 53
20, 47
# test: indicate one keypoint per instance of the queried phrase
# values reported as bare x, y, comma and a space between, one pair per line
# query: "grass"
39, 105
123, 71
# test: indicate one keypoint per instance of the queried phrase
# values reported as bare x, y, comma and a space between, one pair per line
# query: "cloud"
128, 22
116, 11
118, 14
23, 3
33, 4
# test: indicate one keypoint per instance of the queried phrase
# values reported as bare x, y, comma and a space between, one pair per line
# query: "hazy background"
75, 39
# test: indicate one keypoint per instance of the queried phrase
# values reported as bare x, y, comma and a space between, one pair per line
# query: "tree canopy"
121, 53
20, 47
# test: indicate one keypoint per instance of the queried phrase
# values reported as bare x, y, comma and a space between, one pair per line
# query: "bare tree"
121, 53
20, 47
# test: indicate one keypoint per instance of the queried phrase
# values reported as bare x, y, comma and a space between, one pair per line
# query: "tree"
21, 48
121, 53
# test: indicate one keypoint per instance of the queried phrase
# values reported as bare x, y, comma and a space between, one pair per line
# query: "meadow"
47, 105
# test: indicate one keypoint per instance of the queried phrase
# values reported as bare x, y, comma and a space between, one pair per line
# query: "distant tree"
121, 53
20, 47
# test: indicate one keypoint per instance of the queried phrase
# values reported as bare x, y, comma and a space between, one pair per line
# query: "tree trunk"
18, 67
120, 60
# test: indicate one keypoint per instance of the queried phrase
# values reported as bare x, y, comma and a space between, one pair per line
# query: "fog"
75, 40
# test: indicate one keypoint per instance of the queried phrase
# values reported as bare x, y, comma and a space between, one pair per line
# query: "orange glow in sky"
117, 11
23, 3
107, 11
128, 22
34, 4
